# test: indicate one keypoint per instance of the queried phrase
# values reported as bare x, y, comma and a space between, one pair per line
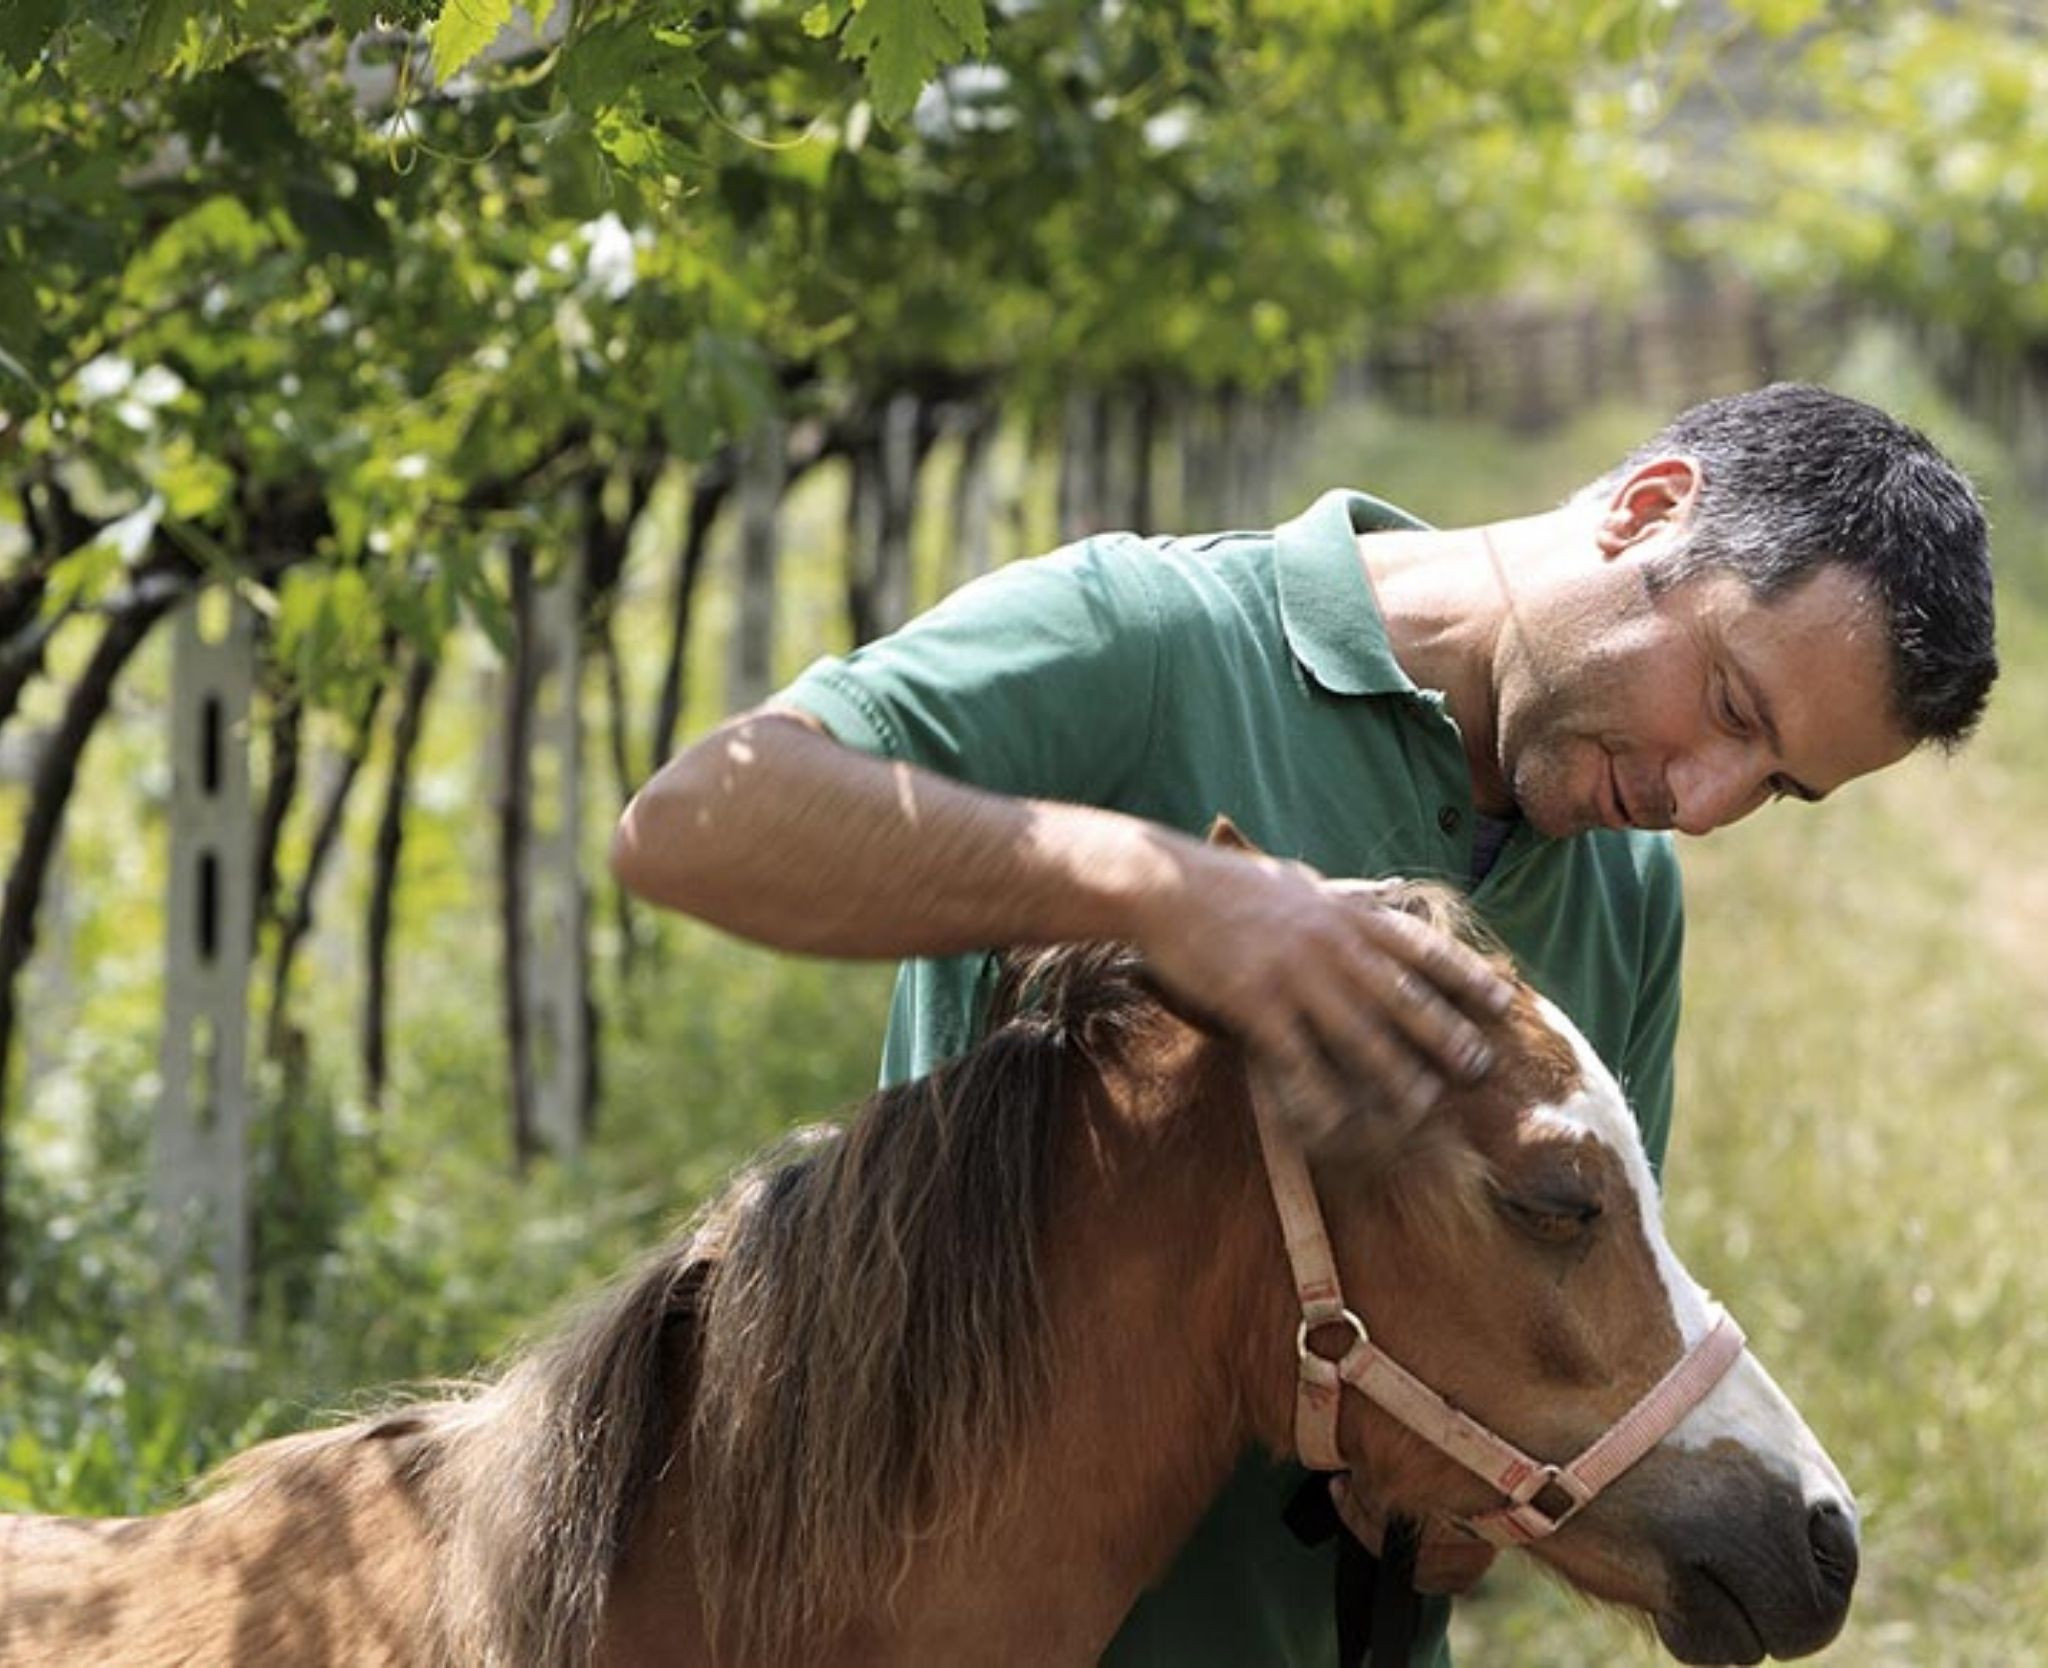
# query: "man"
1781, 592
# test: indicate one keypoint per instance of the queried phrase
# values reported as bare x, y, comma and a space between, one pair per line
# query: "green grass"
1862, 1066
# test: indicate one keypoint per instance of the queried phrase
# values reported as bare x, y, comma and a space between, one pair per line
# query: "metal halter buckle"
1343, 1317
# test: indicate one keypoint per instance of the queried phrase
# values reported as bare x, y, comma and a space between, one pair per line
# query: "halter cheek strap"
1538, 1497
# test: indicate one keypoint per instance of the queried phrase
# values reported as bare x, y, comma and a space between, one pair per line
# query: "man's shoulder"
1643, 877
1183, 569
1211, 572
1221, 582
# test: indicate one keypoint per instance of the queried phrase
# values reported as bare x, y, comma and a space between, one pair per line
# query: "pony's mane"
839, 1352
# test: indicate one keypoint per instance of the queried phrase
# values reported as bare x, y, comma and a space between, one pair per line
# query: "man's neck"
1446, 597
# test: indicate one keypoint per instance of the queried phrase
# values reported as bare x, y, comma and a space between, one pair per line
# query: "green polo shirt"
1247, 673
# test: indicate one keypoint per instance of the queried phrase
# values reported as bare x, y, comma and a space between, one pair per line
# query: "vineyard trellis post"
971, 548
558, 1030
200, 1180
763, 478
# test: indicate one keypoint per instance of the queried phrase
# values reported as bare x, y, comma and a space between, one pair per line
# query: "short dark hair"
1793, 477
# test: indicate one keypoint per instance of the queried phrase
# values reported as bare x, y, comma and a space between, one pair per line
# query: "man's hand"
1345, 1003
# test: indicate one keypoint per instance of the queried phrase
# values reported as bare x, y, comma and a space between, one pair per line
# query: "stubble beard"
1543, 793
1537, 758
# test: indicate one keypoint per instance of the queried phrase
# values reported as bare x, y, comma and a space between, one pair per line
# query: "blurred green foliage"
1897, 156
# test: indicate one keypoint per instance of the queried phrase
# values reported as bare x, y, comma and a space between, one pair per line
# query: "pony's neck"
1169, 1313
1169, 1306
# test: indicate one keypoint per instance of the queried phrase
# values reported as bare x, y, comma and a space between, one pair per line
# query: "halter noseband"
1525, 1481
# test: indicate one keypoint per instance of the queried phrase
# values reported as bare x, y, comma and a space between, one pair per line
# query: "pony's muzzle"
1774, 1582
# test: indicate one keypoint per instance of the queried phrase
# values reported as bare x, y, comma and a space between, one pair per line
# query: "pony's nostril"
1832, 1536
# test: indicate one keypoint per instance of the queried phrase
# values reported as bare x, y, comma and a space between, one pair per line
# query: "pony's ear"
1224, 832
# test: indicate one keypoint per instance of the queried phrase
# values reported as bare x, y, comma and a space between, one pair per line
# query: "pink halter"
1519, 1477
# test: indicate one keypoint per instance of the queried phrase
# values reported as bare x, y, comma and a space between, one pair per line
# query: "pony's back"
317, 1552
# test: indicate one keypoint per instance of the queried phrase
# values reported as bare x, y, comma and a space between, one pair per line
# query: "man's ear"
1224, 832
1653, 499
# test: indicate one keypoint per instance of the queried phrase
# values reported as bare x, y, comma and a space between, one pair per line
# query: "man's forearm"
771, 830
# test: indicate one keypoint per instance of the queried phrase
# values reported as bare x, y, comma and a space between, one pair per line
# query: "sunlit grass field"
1863, 1063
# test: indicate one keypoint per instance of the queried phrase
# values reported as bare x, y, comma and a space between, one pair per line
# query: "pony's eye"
1556, 1219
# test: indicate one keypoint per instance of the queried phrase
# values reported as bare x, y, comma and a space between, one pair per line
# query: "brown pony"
952, 1384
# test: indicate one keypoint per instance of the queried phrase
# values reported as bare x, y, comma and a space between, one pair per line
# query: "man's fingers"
1373, 1054
1344, 999
1455, 969
1399, 997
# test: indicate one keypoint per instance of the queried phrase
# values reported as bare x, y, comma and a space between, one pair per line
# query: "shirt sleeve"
1648, 1067
1038, 679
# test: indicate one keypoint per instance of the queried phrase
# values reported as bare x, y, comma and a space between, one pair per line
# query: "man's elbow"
628, 856
690, 836
634, 852
661, 838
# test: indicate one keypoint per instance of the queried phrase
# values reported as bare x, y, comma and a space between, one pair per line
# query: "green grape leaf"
194, 486
576, 173
629, 59
465, 28
84, 578
644, 148
25, 29
903, 43
825, 17
151, 42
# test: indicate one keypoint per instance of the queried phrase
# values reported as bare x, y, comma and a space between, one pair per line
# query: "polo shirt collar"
1327, 606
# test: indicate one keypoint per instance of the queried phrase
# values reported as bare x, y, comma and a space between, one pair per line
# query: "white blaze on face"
1746, 1407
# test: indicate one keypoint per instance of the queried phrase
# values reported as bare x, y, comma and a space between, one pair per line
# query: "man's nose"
1712, 788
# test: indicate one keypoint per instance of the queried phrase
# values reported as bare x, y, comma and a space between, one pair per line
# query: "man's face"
1690, 708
